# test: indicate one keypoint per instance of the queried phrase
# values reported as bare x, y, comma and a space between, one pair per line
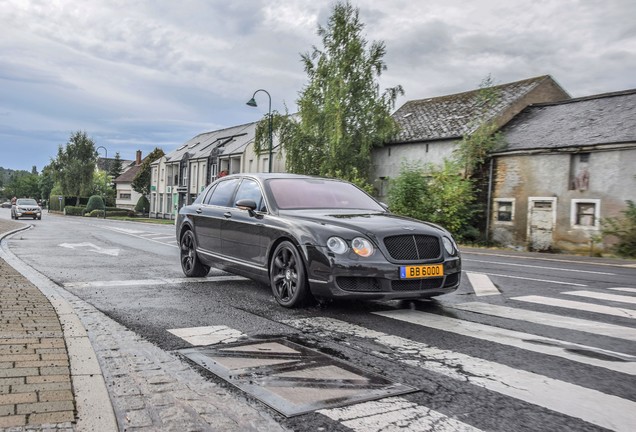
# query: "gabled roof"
129, 175
452, 116
608, 118
225, 141
104, 164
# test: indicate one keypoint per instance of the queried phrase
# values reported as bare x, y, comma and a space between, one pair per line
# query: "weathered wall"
520, 177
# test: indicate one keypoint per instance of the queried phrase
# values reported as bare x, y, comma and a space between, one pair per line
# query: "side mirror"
246, 204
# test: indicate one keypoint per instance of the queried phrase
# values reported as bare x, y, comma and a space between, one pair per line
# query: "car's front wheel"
190, 263
287, 276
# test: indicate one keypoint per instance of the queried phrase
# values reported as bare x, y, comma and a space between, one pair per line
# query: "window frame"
512, 202
574, 204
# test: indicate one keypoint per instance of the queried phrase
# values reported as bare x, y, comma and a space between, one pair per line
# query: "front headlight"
337, 245
448, 245
362, 247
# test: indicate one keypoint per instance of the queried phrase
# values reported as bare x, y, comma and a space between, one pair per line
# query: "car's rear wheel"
287, 276
190, 263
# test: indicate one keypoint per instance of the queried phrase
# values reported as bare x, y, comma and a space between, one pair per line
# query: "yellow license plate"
421, 271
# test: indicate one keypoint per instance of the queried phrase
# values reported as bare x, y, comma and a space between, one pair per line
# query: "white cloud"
157, 72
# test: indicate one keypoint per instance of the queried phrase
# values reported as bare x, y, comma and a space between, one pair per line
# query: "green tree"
23, 184
342, 114
141, 182
116, 168
74, 166
102, 187
46, 182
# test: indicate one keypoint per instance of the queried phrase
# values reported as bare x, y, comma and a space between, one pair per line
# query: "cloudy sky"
140, 74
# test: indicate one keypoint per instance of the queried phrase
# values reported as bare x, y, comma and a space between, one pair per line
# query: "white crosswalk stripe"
603, 296
596, 308
590, 405
559, 321
621, 362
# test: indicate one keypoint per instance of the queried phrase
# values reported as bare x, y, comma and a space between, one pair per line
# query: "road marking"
630, 290
603, 296
393, 414
540, 267
209, 335
607, 310
548, 259
91, 248
593, 406
559, 321
623, 363
132, 233
482, 285
536, 280
161, 281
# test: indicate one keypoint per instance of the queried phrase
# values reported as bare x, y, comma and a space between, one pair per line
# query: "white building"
179, 176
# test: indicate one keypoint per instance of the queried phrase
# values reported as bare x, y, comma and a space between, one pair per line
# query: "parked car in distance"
6, 204
26, 207
314, 237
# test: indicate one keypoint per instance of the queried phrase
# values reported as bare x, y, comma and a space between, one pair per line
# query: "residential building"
179, 176
431, 129
126, 197
567, 165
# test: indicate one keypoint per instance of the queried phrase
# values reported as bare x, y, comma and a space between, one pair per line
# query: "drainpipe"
489, 199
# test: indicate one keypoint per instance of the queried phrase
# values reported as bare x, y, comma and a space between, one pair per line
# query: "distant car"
314, 237
6, 204
26, 207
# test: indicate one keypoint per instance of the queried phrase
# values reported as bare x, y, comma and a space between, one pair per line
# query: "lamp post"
105, 157
252, 103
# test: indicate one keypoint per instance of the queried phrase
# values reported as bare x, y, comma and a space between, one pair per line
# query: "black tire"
190, 263
287, 276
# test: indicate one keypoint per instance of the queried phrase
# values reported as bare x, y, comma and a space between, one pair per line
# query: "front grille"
412, 247
358, 284
416, 284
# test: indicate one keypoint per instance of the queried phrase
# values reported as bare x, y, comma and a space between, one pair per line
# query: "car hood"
371, 224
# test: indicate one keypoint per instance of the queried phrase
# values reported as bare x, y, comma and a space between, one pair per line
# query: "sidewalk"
54, 378
41, 360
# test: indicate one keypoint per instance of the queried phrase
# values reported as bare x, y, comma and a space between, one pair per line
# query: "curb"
94, 407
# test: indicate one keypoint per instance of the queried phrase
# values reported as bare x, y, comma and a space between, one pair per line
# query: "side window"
222, 193
249, 189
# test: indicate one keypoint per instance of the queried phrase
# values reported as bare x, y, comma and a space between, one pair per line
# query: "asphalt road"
530, 342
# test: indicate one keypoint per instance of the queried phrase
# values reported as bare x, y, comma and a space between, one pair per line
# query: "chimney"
138, 160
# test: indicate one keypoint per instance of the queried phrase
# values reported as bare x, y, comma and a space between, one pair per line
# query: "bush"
95, 213
74, 210
434, 194
143, 205
95, 202
623, 228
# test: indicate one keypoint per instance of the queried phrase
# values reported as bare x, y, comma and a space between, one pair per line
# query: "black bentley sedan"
310, 237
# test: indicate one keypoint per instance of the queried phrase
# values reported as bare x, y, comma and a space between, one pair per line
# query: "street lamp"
252, 103
107, 167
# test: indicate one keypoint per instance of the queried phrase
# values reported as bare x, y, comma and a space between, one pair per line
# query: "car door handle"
199, 210
227, 214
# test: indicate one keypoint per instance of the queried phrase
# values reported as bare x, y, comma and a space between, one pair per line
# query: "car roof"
267, 176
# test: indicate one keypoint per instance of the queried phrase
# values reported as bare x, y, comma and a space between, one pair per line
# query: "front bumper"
375, 278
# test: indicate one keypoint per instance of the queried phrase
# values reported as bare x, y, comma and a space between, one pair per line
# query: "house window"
504, 209
124, 196
585, 214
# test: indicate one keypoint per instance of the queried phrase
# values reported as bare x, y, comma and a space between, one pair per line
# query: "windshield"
310, 193
26, 201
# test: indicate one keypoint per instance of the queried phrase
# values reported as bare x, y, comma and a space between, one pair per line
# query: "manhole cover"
291, 378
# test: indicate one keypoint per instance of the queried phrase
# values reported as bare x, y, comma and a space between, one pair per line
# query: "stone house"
179, 176
430, 129
566, 166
